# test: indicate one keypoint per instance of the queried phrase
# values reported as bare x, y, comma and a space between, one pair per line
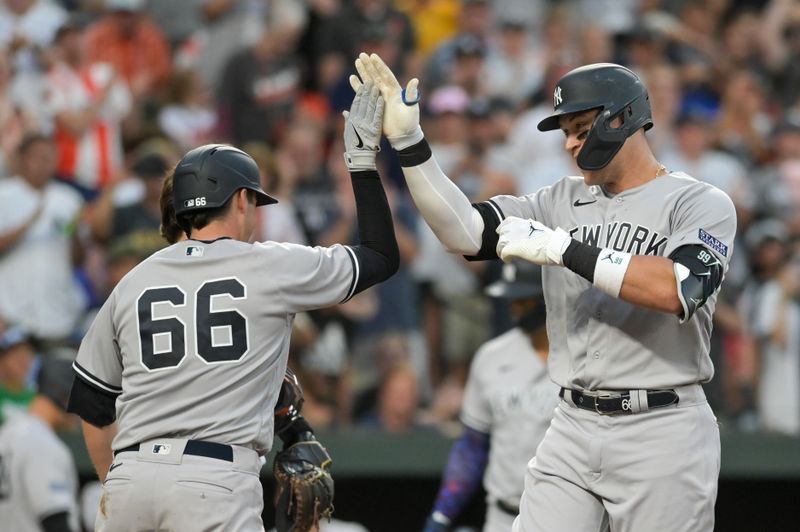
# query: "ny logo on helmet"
557, 97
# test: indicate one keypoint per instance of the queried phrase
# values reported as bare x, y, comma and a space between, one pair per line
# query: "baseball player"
188, 353
635, 255
300, 475
38, 479
507, 407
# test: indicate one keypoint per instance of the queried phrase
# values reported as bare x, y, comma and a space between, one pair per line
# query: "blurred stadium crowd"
99, 98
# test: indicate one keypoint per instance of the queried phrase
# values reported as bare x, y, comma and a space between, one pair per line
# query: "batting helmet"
520, 279
208, 176
613, 89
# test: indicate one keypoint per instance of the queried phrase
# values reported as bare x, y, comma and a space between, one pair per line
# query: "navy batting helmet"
613, 89
208, 176
520, 279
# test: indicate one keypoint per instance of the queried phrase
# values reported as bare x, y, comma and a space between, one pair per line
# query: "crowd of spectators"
98, 98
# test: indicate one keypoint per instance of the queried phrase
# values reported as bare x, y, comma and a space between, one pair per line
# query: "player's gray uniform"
655, 470
195, 341
37, 475
509, 396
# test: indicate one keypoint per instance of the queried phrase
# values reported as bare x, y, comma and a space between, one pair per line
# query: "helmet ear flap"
602, 143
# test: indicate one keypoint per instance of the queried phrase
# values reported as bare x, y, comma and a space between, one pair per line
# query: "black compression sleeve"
492, 217
295, 432
378, 254
581, 258
56, 523
415, 155
92, 404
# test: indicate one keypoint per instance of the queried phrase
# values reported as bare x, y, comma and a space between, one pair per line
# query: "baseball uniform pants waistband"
208, 449
632, 401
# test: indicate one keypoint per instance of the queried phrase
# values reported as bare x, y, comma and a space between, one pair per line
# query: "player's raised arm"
445, 208
377, 254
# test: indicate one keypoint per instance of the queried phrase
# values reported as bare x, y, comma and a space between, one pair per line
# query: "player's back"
202, 335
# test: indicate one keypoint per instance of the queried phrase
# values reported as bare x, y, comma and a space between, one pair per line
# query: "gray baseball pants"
159, 488
652, 471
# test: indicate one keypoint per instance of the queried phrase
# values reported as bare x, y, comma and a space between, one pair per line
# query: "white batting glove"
401, 119
362, 128
532, 241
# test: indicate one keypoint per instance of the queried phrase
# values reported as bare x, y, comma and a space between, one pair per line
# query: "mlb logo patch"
713, 243
194, 251
161, 448
188, 203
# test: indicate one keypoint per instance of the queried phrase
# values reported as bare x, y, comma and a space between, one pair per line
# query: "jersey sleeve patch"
713, 243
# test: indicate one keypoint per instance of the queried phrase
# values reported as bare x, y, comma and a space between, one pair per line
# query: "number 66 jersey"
193, 342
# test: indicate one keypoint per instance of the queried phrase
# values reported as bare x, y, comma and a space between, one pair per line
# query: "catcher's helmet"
520, 279
208, 176
614, 90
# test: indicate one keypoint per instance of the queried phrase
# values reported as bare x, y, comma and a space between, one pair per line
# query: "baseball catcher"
303, 483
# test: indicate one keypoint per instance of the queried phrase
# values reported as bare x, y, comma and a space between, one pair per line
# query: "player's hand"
362, 128
401, 120
532, 241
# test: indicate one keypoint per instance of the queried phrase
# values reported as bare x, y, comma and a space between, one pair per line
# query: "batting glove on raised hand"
532, 241
401, 119
362, 128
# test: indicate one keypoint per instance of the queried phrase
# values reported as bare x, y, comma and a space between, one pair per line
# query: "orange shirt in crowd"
143, 58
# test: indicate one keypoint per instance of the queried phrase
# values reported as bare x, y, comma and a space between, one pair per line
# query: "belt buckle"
604, 395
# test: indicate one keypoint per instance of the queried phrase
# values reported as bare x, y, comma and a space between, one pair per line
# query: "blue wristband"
409, 103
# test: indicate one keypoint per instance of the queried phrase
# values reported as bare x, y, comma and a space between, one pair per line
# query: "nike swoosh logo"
360, 142
579, 203
113, 467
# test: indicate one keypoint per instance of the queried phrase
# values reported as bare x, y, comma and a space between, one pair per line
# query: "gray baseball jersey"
509, 396
195, 338
37, 475
598, 341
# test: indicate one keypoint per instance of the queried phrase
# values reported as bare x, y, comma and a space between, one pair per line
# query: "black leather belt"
619, 403
209, 449
510, 509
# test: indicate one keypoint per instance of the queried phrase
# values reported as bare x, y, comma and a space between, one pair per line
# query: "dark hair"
30, 139
169, 227
198, 219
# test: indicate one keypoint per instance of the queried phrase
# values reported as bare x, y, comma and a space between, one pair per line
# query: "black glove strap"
298, 430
